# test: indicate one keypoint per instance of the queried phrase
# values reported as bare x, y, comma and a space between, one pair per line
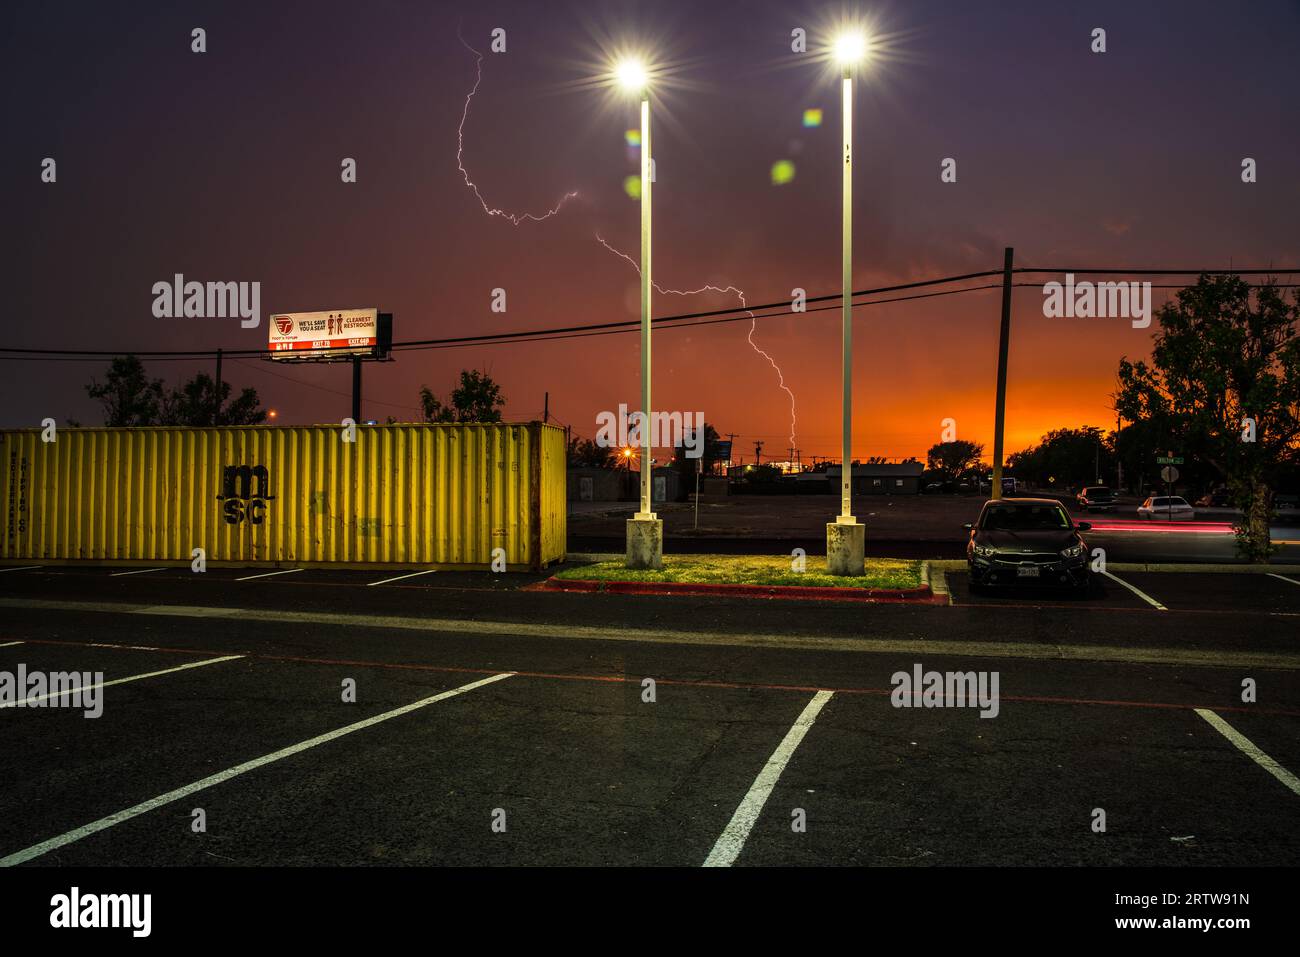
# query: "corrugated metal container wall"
401, 494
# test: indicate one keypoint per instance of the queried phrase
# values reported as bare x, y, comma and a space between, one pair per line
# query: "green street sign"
1169, 460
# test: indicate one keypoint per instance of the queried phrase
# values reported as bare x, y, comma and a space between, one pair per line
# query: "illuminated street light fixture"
645, 536
845, 538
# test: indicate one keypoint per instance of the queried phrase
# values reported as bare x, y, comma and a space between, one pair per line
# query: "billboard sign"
337, 333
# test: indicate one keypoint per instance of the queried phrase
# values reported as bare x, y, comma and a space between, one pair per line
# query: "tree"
585, 453
1068, 457
709, 453
476, 399
196, 403
129, 398
1224, 385
954, 459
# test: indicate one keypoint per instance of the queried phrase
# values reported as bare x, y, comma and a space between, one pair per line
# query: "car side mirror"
1084, 526
968, 526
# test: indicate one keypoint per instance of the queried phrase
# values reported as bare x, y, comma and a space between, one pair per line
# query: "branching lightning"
753, 321
515, 218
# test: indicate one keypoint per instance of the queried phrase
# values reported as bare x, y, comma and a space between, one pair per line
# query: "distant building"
896, 478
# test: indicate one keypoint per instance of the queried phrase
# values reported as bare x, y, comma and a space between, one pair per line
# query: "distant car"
1027, 541
1219, 498
1169, 508
1288, 502
1096, 498
933, 488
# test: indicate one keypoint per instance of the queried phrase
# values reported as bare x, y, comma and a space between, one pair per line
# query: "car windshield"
1021, 517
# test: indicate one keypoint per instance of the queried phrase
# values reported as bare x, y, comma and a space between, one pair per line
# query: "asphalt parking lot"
1123, 590
549, 733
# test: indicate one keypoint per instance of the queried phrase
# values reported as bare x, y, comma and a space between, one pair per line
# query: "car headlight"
984, 551
1074, 551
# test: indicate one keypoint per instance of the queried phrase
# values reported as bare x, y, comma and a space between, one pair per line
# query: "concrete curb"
921, 595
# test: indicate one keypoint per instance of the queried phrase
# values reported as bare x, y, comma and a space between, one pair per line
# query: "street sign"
1169, 460
1169, 474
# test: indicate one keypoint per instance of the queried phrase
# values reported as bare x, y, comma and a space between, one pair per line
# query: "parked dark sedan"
1027, 541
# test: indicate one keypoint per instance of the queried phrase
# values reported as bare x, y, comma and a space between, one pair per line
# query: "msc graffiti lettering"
245, 490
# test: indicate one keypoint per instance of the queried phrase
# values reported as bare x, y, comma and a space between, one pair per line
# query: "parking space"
1244, 592
1104, 594
943, 787
583, 769
297, 576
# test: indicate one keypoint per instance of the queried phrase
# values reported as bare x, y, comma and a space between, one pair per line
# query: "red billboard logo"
284, 324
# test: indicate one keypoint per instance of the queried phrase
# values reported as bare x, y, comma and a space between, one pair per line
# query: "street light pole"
645, 532
845, 538
645, 514
846, 309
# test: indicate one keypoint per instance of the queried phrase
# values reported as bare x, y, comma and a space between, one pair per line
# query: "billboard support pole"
356, 388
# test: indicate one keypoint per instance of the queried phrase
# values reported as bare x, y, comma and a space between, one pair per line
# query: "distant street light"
644, 529
845, 538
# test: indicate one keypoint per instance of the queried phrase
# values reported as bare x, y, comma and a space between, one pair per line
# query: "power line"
734, 314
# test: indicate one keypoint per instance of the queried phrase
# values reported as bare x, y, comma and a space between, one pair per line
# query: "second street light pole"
645, 531
845, 538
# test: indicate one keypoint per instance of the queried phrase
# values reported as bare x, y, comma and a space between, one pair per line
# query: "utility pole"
546, 408
758, 453
731, 442
216, 412
356, 389
1004, 341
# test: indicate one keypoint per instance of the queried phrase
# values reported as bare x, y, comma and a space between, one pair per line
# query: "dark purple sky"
225, 166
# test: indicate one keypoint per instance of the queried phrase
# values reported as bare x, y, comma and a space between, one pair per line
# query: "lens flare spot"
633, 137
812, 117
782, 172
632, 186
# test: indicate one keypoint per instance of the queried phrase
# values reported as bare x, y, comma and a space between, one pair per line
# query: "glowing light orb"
812, 117
782, 172
633, 137
850, 48
631, 75
632, 186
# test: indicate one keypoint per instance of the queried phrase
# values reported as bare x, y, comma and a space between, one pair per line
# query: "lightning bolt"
753, 321
515, 218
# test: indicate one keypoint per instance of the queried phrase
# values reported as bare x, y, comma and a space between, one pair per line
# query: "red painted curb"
923, 594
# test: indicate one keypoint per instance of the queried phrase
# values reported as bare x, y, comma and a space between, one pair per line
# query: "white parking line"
1247, 747
28, 702
283, 571
427, 571
21, 568
732, 839
1137, 591
1284, 578
138, 571
10, 644
104, 823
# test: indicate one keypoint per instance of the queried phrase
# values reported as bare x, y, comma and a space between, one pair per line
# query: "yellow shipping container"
428, 495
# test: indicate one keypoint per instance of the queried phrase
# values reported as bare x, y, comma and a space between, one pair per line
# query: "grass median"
752, 570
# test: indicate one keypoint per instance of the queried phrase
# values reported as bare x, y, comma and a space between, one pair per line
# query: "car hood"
1035, 541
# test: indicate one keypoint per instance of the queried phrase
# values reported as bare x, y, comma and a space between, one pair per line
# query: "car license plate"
1027, 571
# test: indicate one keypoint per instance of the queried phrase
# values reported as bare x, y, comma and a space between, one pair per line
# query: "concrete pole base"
846, 547
645, 543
